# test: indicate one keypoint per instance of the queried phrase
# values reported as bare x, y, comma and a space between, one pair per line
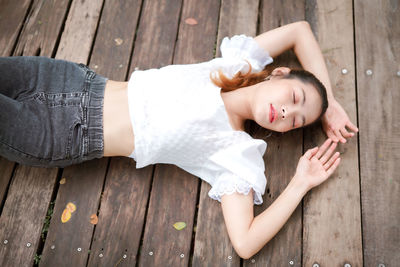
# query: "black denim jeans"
51, 111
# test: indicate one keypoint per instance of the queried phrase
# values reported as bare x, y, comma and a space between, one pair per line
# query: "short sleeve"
241, 48
241, 168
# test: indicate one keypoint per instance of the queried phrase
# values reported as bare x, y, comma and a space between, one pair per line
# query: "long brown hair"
242, 80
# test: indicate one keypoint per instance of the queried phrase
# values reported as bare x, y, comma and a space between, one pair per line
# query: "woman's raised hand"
317, 164
335, 121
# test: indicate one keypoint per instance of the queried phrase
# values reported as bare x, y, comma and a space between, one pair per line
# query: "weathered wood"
156, 35
79, 32
12, 17
82, 187
162, 243
332, 210
77, 233
283, 151
23, 214
377, 28
40, 33
212, 245
20, 225
126, 192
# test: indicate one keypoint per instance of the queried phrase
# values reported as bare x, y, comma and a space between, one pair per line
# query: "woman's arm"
248, 234
299, 37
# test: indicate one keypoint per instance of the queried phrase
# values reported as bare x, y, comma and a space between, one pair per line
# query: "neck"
238, 105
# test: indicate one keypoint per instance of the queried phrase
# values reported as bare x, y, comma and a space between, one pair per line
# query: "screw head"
120, 66
291, 262
229, 257
79, 249
344, 71
253, 260
96, 66
182, 255
381, 265
368, 72
5, 242
101, 255
398, 73
315, 265
124, 256
347, 265
28, 244
151, 253
53, 247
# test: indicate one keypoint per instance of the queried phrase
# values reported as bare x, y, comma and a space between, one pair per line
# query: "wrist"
300, 184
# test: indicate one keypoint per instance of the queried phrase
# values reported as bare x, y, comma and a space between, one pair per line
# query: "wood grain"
212, 243
378, 50
332, 222
283, 151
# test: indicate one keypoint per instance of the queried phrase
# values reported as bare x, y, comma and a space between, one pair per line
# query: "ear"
280, 71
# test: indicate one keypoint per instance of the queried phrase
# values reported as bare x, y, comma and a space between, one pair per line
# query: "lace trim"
245, 47
234, 184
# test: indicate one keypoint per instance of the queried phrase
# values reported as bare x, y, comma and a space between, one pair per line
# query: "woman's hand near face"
317, 164
334, 122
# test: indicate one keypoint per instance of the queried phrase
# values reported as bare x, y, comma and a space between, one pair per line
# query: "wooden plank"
12, 17
79, 32
40, 33
174, 190
283, 151
72, 239
377, 28
212, 245
332, 210
156, 35
126, 192
24, 210
20, 225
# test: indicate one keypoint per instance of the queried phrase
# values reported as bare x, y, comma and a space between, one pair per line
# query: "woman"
58, 113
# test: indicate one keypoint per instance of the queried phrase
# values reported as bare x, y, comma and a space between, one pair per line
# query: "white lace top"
178, 117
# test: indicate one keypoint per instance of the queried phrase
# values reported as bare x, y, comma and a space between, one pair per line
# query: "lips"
272, 113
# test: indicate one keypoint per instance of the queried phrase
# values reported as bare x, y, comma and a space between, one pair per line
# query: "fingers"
311, 152
352, 126
332, 136
322, 149
331, 160
339, 135
345, 133
328, 153
333, 167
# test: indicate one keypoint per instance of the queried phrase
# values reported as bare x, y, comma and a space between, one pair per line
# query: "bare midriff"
117, 128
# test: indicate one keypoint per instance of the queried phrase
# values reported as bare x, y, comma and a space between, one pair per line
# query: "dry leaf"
71, 207
66, 215
118, 41
63, 180
94, 219
191, 21
179, 225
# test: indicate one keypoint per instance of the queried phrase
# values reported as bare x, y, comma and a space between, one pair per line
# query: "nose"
286, 112
283, 112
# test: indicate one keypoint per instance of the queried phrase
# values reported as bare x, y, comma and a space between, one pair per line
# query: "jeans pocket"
75, 141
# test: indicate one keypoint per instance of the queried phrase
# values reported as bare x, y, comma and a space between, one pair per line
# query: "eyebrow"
304, 100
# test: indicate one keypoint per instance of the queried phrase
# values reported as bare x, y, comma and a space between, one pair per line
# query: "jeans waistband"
93, 140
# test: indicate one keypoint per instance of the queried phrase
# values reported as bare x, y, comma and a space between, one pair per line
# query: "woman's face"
282, 105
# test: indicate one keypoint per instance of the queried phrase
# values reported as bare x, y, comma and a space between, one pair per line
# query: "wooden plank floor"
350, 220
